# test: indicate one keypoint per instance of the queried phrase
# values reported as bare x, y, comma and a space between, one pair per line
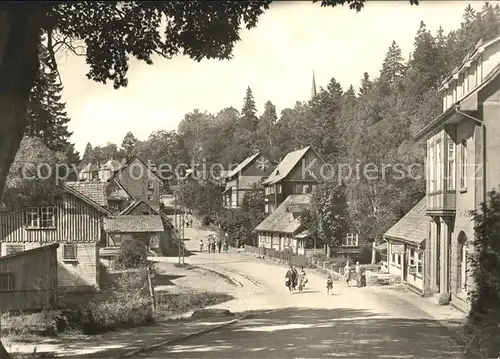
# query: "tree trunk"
20, 37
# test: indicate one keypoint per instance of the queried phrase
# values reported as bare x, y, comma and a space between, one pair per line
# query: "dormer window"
150, 185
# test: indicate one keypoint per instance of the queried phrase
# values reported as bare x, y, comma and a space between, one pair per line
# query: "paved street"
354, 322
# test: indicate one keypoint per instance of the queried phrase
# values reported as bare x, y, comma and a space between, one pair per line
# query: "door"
405, 264
438, 255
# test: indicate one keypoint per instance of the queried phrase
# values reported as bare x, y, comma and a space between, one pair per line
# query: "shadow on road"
166, 280
308, 332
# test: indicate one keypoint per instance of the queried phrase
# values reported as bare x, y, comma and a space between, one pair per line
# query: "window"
115, 240
454, 92
419, 264
466, 82
451, 166
266, 208
279, 188
150, 185
150, 197
313, 188
399, 259
432, 184
445, 104
480, 70
267, 191
7, 281
13, 248
114, 205
463, 165
438, 167
69, 252
351, 240
40, 217
393, 259
411, 255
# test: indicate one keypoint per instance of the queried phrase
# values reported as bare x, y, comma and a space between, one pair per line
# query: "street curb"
172, 341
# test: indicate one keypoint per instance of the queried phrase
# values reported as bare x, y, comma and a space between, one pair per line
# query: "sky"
276, 59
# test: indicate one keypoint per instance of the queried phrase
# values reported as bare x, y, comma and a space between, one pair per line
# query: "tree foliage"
482, 330
327, 217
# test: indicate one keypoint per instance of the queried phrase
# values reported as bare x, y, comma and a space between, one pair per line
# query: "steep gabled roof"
83, 197
288, 163
130, 160
244, 164
412, 228
113, 180
94, 190
133, 205
134, 224
283, 219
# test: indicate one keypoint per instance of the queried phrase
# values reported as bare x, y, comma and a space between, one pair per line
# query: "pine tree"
393, 67
88, 154
47, 117
365, 84
248, 111
129, 144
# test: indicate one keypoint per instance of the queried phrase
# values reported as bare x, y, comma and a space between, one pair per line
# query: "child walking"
329, 284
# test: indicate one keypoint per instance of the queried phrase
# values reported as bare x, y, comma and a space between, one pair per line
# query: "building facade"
462, 144
298, 173
140, 181
241, 179
406, 248
75, 222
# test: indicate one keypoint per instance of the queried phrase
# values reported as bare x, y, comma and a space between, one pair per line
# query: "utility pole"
181, 237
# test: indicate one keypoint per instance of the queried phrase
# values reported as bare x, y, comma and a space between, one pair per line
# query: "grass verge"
129, 307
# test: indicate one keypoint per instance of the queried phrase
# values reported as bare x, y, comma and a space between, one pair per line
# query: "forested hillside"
368, 123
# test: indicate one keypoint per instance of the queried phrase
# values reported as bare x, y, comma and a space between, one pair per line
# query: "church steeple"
313, 89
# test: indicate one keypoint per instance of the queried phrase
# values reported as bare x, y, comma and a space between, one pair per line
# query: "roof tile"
282, 219
412, 227
94, 190
134, 224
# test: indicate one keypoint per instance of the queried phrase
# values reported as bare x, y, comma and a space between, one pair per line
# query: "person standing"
201, 245
358, 274
213, 246
226, 247
219, 244
347, 274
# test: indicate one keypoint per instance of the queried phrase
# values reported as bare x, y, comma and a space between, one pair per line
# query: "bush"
44, 323
481, 331
133, 254
444, 299
206, 220
183, 302
132, 310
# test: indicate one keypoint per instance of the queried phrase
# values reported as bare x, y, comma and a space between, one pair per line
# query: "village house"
140, 181
252, 170
74, 222
297, 173
89, 172
462, 144
406, 241
282, 229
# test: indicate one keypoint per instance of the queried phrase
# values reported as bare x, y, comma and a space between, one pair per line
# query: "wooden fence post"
151, 289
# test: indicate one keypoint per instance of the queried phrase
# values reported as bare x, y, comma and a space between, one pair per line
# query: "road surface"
354, 322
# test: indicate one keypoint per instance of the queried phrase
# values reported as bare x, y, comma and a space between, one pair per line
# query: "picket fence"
297, 260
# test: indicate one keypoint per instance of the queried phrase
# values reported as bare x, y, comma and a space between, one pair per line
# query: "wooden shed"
28, 279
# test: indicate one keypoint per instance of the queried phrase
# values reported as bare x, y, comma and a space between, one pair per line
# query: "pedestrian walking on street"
289, 278
347, 274
190, 218
358, 274
219, 244
329, 284
213, 246
295, 277
226, 247
201, 245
